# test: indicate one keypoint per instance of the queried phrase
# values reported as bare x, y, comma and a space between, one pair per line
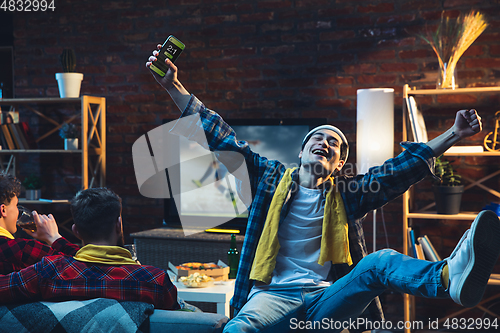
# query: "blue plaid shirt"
361, 194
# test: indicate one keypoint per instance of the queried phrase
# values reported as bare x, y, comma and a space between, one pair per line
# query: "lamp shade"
374, 127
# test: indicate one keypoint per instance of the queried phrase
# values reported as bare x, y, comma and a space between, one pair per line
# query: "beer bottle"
233, 258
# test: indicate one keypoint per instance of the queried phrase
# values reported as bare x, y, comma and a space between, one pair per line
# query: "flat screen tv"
208, 192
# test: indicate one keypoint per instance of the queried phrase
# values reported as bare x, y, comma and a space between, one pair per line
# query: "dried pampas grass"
451, 39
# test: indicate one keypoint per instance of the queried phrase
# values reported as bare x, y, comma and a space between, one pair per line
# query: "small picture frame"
416, 120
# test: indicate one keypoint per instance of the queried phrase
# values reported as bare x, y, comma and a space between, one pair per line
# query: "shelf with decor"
425, 212
93, 133
90, 112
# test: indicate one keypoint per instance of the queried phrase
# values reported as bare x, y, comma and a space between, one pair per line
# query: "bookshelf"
91, 113
425, 212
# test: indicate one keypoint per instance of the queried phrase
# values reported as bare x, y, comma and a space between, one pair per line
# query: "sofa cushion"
93, 316
162, 321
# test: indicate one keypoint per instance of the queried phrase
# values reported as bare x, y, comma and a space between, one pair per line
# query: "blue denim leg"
280, 310
268, 311
385, 269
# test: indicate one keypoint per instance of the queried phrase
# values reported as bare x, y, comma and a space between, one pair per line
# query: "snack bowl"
199, 284
197, 280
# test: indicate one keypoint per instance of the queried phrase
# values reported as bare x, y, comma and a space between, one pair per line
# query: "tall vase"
446, 78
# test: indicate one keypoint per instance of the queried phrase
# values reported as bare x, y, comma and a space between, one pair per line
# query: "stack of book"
15, 134
421, 247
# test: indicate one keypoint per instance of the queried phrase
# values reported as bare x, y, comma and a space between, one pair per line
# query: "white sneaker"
471, 263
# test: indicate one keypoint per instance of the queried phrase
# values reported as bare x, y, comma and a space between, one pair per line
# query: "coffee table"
220, 293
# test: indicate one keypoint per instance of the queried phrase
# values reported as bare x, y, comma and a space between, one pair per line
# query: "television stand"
158, 247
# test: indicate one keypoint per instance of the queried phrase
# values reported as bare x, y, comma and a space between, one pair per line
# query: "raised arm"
467, 123
170, 82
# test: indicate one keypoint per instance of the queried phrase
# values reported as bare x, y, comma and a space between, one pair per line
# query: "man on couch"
100, 269
18, 253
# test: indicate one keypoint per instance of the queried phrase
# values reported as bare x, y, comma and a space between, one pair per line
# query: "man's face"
10, 214
321, 152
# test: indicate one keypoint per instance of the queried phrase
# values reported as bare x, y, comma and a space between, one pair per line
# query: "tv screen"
208, 191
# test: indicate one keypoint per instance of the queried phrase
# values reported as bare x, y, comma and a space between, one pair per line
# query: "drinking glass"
132, 249
25, 219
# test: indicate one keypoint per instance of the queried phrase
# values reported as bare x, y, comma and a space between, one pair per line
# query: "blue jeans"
325, 308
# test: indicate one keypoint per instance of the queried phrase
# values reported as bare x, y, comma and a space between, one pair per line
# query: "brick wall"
257, 59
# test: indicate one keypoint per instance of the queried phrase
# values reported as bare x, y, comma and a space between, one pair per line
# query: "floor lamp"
374, 132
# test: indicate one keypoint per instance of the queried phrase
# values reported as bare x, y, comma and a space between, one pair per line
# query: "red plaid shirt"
58, 278
16, 254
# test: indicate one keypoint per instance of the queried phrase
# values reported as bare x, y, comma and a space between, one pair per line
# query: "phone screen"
171, 49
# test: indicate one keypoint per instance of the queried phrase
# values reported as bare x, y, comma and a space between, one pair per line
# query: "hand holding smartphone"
171, 49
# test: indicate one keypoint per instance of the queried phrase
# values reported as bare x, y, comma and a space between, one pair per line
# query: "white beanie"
328, 127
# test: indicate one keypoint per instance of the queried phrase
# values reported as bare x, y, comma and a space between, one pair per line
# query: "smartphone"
171, 49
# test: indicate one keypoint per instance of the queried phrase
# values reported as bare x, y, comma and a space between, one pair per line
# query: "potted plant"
448, 190
33, 185
69, 133
69, 82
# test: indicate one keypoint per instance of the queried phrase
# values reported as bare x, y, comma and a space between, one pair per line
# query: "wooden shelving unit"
424, 213
92, 115
93, 135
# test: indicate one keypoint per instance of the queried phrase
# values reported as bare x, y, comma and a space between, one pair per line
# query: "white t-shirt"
299, 236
